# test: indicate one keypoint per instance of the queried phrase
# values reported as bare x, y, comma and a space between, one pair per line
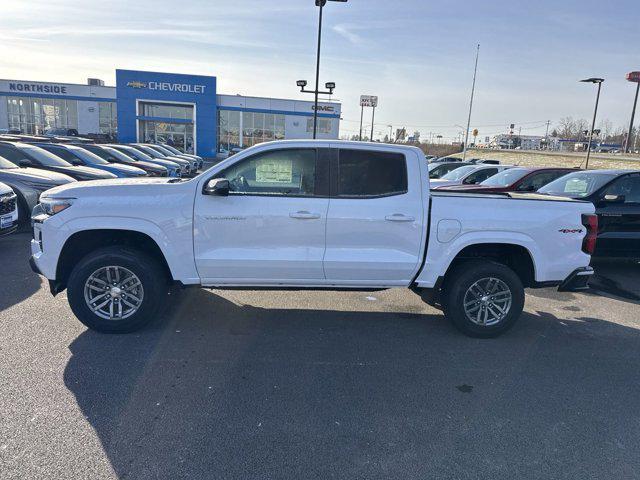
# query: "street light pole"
632, 77
598, 81
315, 101
473, 88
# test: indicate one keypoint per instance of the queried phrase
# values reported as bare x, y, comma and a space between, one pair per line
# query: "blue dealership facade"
183, 110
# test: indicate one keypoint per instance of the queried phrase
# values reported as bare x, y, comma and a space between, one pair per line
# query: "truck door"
375, 228
619, 218
270, 229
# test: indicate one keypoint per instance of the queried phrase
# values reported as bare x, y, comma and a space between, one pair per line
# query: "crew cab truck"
307, 215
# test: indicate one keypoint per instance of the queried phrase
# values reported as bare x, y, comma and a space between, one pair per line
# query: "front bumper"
578, 280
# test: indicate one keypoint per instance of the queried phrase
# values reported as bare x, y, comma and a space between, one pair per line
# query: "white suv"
8, 210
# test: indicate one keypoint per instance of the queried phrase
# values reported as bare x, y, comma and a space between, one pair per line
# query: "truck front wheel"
482, 298
116, 289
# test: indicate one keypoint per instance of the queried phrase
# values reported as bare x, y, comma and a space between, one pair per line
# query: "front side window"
279, 172
538, 180
480, 176
366, 173
627, 187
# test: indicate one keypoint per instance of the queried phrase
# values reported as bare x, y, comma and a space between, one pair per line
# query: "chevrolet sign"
137, 84
169, 87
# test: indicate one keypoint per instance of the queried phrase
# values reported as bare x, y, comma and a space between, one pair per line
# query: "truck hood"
104, 187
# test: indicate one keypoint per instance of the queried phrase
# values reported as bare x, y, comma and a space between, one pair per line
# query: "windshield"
105, 152
578, 184
89, 157
149, 151
4, 164
458, 173
137, 154
161, 149
172, 149
506, 177
47, 159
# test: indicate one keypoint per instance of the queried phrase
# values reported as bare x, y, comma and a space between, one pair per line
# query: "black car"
26, 155
112, 155
616, 196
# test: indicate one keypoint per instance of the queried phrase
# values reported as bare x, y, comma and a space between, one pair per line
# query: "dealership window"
258, 127
108, 118
178, 135
33, 115
228, 130
324, 125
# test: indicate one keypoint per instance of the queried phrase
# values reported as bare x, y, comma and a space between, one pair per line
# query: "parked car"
174, 150
76, 155
468, 175
185, 165
437, 170
113, 156
446, 159
27, 155
276, 216
197, 161
485, 161
517, 179
172, 167
8, 210
28, 184
61, 132
616, 196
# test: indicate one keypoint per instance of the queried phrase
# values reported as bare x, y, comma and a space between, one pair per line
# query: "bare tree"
566, 127
606, 128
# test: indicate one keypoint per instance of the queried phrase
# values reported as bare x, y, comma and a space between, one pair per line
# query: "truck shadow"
17, 281
221, 390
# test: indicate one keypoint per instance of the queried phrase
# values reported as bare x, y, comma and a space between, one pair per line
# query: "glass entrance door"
178, 135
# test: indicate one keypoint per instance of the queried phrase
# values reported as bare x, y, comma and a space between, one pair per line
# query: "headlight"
51, 206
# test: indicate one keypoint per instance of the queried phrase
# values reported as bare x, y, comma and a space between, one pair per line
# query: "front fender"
174, 238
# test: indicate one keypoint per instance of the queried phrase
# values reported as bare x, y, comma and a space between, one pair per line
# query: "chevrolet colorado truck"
307, 214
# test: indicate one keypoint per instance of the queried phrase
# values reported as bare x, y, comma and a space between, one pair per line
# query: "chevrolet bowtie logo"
137, 84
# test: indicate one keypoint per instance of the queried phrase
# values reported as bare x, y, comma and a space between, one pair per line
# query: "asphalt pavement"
318, 385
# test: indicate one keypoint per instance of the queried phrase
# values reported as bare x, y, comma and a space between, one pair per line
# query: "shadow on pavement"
221, 390
17, 280
617, 277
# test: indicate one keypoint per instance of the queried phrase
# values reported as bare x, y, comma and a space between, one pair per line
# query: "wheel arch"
81, 243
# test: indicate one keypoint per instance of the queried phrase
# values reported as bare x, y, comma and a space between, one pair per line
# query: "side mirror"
613, 199
216, 186
25, 163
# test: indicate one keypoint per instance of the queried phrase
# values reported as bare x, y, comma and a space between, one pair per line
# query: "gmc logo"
323, 108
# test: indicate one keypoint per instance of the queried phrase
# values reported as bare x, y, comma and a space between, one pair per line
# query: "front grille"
7, 203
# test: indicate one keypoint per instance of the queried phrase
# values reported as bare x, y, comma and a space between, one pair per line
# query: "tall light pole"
473, 88
597, 81
632, 77
321, 4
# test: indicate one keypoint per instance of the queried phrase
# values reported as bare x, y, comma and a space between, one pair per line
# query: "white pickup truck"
307, 215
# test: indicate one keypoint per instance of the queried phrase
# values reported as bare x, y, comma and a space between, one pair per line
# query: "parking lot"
319, 385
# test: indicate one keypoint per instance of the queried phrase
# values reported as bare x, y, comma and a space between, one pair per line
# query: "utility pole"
632, 77
597, 81
473, 88
390, 132
361, 114
373, 116
546, 135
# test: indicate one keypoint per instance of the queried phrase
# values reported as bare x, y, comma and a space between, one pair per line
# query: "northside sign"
37, 88
169, 87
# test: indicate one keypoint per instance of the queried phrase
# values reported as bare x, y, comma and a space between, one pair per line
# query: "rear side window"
366, 173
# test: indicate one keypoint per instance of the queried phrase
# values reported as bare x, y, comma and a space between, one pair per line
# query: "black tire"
457, 284
151, 275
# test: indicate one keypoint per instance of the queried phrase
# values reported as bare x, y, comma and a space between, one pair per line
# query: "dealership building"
183, 110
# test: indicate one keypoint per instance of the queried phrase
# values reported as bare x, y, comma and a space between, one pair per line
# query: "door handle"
304, 215
399, 217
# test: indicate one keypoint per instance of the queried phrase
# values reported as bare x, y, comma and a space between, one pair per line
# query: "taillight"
590, 221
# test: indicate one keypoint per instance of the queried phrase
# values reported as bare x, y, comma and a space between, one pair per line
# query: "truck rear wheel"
116, 289
483, 298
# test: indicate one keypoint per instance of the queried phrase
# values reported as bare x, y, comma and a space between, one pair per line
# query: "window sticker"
274, 170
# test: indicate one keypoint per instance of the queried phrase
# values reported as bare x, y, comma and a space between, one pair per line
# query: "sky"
416, 56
